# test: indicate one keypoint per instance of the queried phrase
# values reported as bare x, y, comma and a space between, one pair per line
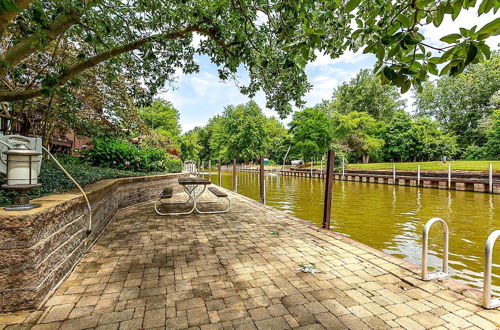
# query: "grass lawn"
461, 165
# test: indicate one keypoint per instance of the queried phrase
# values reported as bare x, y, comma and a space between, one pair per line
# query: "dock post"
219, 181
449, 175
418, 175
235, 176
490, 178
343, 168
393, 173
311, 168
210, 170
262, 181
321, 167
327, 207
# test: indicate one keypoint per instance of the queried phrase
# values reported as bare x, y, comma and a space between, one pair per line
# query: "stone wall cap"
49, 202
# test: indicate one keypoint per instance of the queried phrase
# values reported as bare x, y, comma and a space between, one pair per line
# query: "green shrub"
119, 154
474, 152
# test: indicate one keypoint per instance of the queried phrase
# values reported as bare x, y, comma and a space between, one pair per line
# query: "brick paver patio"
240, 270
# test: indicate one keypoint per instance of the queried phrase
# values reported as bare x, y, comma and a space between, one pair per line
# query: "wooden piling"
219, 177
262, 181
490, 178
235, 176
327, 210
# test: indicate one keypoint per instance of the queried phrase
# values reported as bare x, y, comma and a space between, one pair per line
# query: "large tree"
366, 93
463, 102
312, 132
162, 117
274, 40
245, 131
358, 133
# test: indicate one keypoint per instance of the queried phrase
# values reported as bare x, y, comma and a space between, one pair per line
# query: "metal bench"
219, 194
167, 193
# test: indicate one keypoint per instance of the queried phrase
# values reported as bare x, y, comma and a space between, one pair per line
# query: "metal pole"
488, 259
262, 181
490, 178
418, 176
327, 210
449, 175
235, 176
219, 181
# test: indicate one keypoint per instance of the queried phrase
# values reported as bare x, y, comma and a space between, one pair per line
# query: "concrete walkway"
240, 270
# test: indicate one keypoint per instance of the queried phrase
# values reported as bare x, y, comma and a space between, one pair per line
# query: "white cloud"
348, 57
467, 19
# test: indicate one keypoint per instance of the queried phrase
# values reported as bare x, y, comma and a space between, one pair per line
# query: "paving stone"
80, 323
197, 316
276, 323
205, 272
114, 317
57, 313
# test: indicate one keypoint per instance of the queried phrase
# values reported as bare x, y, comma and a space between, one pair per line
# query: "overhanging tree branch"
79, 67
8, 16
36, 42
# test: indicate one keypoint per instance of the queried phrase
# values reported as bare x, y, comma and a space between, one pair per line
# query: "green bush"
121, 155
474, 152
53, 179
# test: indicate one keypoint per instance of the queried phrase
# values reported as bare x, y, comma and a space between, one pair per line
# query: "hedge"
53, 179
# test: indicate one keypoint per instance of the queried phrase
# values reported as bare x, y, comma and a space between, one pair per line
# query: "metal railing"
425, 242
488, 257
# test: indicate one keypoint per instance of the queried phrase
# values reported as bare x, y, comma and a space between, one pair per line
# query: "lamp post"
22, 175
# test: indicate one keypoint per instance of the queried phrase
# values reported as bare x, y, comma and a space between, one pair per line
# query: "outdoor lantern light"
22, 175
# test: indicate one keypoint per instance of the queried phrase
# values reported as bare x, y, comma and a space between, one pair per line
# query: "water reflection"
391, 218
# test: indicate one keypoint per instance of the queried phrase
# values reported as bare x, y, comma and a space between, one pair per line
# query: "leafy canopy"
366, 93
312, 132
273, 40
462, 103
162, 117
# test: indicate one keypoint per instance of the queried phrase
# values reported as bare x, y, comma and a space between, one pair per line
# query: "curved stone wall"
39, 247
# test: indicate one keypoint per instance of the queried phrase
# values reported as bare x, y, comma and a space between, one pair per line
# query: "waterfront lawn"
459, 165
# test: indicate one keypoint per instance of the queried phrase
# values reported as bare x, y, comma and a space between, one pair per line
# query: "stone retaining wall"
39, 247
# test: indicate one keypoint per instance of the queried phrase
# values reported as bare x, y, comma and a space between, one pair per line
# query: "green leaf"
471, 54
351, 5
432, 68
439, 16
491, 28
389, 73
451, 38
405, 86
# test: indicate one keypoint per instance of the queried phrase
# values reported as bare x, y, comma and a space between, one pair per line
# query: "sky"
198, 97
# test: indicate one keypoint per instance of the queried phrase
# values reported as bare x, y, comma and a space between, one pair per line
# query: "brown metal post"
327, 211
262, 182
219, 181
235, 176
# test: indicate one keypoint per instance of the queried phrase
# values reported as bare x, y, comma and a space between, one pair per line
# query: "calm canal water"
391, 218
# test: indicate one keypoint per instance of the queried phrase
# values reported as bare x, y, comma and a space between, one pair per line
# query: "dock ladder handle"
488, 256
425, 243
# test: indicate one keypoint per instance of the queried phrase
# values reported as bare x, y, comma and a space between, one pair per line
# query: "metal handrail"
488, 257
425, 241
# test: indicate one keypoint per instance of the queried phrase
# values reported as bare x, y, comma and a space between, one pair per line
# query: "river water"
391, 218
